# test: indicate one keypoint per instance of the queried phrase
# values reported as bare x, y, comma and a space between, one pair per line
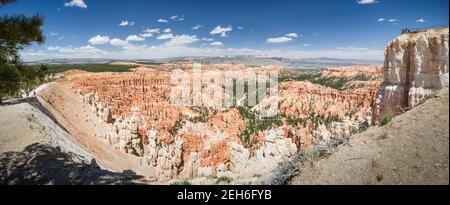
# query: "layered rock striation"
416, 64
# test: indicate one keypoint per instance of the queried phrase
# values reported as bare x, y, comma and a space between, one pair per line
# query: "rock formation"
416, 64
180, 141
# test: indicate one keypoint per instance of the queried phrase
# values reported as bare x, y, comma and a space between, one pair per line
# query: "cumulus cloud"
165, 36
163, 51
70, 49
421, 20
293, 35
392, 20
207, 39
176, 18
126, 23
283, 39
288, 37
134, 38
152, 30
181, 40
196, 27
217, 43
146, 35
240, 27
381, 19
76, 3
167, 30
221, 30
352, 48
118, 42
163, 21
99, 40
367, 1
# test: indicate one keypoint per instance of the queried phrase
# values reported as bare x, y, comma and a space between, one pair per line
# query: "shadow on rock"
43, 164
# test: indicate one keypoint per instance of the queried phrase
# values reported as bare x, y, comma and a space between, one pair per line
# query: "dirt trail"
412, 149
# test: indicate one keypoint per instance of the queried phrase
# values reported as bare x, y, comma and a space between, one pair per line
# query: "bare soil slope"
412, 149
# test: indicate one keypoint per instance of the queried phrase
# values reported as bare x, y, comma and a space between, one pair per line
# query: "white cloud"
283, 39
176, 18
181, 40
146, 35
392, 20
381, 19
207, 39
53, 48
292, 35
196, 27
367, 1
51, 33
167, 30
163, 21
221, 30
99, 40
118, 42
71, 50
352, 48
76, 3
152, 30
165, 36
217, 43
163, 51
134, 38
306, 45
421, 20
240, 27
126, 23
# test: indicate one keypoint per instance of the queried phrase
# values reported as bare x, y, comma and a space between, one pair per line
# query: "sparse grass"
181, 182
224, 179
426, 98
386, 119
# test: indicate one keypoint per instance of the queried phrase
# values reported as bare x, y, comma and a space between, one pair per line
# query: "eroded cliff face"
416, 64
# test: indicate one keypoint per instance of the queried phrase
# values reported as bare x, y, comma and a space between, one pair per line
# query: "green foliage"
16, 32
102, 67
386, 119
362, 77
255, 123
224, 179
334, 82
178, 125
202, 114
183, 182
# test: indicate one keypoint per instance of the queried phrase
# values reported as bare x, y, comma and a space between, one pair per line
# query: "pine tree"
16, 32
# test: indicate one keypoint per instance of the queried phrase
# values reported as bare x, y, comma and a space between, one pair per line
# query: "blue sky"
283, 28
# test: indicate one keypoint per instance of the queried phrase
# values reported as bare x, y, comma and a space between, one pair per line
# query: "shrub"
386, 119
181, 182
224, 179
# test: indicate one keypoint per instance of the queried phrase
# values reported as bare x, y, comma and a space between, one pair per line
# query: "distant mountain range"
305, 63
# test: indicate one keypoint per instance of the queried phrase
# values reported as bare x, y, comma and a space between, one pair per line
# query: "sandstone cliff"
416, 64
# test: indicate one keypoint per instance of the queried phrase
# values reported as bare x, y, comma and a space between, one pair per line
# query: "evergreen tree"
16, 32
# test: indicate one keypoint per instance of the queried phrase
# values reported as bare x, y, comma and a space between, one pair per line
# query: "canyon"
127, 121
131, 114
